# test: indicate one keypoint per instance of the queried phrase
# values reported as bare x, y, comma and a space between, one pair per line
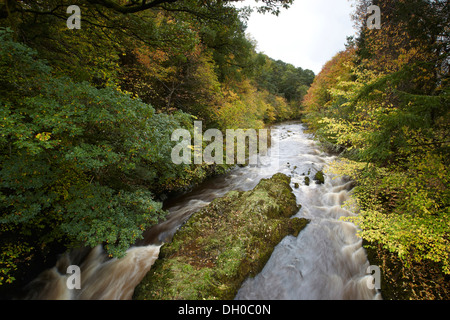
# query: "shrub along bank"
224, 243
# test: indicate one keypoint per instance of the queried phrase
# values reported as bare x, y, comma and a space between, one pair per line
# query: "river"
326, 261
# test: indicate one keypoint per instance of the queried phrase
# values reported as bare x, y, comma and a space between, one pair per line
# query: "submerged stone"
224, 243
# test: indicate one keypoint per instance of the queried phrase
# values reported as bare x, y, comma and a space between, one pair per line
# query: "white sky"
307, 35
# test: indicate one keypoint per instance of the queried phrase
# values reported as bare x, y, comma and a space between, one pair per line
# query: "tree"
77, 163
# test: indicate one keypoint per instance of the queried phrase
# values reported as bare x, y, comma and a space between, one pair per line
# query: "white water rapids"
326, 260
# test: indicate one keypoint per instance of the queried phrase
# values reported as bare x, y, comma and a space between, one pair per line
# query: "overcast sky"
307, 35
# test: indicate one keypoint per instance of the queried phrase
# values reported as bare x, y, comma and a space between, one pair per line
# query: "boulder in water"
224, 243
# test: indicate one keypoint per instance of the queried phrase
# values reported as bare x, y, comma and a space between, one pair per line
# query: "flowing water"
326, 260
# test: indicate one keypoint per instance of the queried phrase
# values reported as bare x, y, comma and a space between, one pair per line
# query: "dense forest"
87, 114
383, 104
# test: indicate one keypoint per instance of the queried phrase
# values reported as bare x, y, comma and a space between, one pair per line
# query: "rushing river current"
325, 261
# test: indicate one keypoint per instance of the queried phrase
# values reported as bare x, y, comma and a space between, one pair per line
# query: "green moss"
224, 243
307, 181
319, 177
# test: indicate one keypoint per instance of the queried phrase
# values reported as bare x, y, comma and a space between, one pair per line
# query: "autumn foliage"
383, 103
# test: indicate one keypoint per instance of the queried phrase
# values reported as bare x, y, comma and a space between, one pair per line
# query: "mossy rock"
221, 245
319, 177
307, 181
